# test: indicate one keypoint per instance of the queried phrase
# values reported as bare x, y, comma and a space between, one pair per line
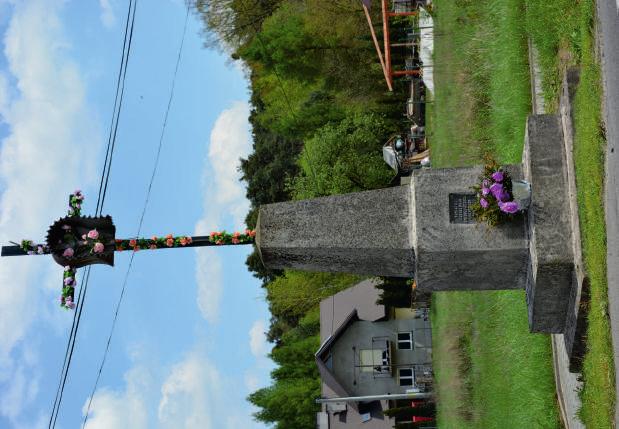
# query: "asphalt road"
608, 16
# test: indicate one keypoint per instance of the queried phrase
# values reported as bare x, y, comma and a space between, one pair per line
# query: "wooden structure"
387, 14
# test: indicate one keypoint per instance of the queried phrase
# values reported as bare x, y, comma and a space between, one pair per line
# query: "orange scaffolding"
385, 60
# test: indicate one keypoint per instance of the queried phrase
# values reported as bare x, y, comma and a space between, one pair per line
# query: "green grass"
598, 395
490, 372
482, 100
482, 81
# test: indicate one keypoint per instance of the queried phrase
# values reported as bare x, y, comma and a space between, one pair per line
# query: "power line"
148, 192
128, 36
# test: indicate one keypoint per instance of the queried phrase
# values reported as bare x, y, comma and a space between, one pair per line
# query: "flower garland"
223, 237
495, 204
171, 241
75, 203
68, 288
155, 242
34, 249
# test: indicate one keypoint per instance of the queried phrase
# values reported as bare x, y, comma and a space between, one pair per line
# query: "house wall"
351, 419
359, 335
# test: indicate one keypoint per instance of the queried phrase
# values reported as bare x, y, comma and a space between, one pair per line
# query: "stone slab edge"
550, 286
574, 336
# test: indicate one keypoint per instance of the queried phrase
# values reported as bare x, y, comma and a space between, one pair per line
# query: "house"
367, 349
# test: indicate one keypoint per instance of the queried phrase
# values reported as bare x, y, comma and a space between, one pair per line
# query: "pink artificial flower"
83, 236
169, 236
136, 248
236, 235
94, 234
483, 202
132, 243
68, 253
169, 242
252, 233
189, 240
219, 242
68, 302
68, 281
154, 238
183, 241
235, 240
153, 246
98, 247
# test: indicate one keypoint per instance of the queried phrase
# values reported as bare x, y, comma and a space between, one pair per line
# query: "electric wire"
116, 109
148, 192
100, 199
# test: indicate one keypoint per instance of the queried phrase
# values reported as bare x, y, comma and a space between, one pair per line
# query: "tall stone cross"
76, 241
425, 230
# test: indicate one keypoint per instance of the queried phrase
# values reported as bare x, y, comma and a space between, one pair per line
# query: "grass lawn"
490, 371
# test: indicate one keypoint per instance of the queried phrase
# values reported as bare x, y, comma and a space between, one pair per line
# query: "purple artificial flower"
497, 176
510, 207
68, 281
98, 247
496, 189
483, 202
68, 253
485, 191
40, 250
66, 227
30, 252
68, 302
504, 196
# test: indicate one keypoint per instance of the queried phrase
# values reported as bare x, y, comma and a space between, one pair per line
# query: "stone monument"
425, 230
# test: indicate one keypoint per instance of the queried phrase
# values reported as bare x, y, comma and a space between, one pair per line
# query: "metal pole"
388, 396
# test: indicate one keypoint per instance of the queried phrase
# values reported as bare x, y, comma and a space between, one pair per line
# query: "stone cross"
425, 230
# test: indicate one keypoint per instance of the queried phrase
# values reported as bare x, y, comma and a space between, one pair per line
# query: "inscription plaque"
460, 208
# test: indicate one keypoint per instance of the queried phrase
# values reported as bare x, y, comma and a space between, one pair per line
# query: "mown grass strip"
598, 394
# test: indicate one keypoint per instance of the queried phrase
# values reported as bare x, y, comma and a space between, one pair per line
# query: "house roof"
337, 313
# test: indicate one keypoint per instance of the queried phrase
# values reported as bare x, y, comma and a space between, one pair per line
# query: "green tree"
344, 157
290, 402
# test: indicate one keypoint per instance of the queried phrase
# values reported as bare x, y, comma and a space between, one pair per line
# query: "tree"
289, 402
343, 157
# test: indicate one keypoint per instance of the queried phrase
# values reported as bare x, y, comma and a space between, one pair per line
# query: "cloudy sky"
189, 343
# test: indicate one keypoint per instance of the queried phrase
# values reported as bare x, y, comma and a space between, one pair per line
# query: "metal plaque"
460, 208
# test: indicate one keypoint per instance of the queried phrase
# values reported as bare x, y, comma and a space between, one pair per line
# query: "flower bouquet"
496, 203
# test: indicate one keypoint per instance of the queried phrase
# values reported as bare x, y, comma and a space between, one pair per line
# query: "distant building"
369, 350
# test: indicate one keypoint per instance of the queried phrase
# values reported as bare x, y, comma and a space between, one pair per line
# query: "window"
405, 340
406, 376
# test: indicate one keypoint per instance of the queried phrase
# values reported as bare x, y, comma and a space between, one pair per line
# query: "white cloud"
119, 410
223, 197
42, 159
257, 339
190, 395
107, 13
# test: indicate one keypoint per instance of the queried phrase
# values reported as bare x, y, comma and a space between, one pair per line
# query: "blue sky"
189, 344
